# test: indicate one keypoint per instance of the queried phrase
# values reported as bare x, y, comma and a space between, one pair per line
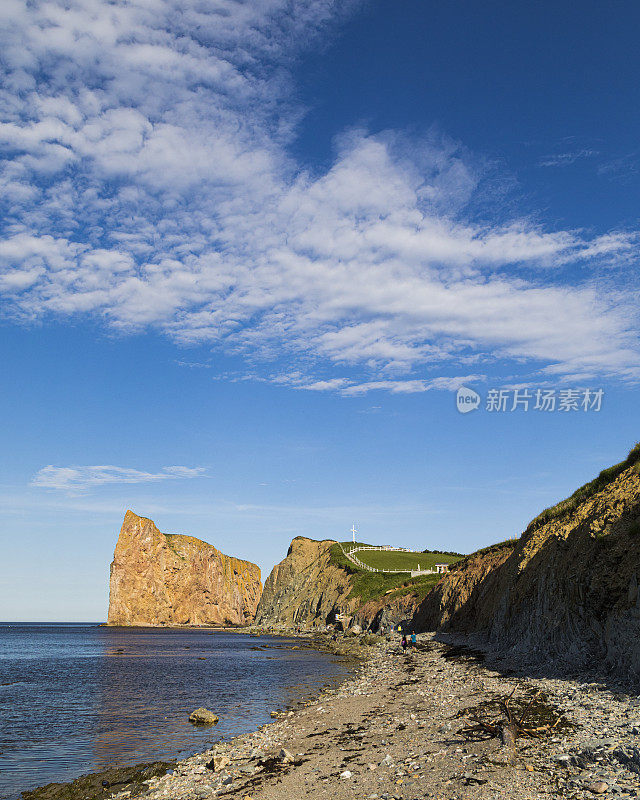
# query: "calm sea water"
79, 698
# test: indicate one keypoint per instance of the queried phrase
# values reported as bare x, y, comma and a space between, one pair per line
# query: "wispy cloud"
623, 168
566, 158
78, 480
412, 386
194, 364
351, 388
147, 180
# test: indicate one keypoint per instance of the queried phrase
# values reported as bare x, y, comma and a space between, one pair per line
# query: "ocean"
77, 698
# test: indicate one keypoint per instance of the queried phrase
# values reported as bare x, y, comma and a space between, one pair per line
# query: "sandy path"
395, 731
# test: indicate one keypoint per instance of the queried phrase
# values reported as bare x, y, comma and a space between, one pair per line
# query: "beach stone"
346, 774
202, 716
285, 756
598, 787
218, 763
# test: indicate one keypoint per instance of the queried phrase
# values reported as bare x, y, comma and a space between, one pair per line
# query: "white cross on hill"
354, 531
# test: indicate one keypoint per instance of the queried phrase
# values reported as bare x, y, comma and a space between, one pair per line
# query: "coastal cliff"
565, 593
305, 588
168, 579
310, 587
463, 592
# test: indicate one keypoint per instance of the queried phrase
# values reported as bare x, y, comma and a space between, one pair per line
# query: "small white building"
441, 568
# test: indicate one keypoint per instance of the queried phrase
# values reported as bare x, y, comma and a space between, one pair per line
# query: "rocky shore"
397, 730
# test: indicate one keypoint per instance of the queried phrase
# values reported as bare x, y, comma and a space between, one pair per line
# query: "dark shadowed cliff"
567, 591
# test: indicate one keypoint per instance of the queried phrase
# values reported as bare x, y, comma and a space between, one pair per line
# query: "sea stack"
169, 579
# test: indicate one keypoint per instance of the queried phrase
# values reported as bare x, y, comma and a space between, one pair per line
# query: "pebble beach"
396, 729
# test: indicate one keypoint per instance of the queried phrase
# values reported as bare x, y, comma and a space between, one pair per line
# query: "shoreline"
238, 628
394, 730
131, 777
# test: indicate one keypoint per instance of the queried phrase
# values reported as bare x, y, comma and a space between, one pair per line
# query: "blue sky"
249, 251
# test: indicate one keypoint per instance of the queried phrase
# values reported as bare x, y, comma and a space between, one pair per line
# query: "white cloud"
148, 181
412, 386
330, 385
351, 388
566, 158
78, 480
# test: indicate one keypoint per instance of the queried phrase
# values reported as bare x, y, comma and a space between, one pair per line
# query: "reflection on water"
78, 698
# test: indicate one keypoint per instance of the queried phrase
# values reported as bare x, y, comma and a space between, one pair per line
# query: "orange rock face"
167, 579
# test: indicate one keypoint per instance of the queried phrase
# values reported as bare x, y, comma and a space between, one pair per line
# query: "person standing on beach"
404, 643
414, 641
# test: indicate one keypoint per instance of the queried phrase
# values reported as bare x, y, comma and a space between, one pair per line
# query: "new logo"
466, 400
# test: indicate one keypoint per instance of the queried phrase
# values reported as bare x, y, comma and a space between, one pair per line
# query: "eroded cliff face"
168, 579
386, 613
305, 588
566, 594
454, 601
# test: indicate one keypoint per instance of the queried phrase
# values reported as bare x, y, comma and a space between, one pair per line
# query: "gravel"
395, 731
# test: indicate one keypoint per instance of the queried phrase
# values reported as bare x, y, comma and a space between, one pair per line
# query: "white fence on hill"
350, 555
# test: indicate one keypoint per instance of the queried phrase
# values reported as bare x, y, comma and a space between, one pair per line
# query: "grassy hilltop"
373, 585
385, 559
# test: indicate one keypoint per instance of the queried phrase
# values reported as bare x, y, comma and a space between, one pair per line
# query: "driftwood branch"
506, 726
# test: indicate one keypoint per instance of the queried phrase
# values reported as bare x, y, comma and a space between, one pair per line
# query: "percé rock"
565, 594
305, 588
169, 579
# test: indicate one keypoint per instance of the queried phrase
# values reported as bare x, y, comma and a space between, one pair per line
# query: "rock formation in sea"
566, 592
169, 579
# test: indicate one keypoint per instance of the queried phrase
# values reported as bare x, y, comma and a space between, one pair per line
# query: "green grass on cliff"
374, 585
384, 559
588, 490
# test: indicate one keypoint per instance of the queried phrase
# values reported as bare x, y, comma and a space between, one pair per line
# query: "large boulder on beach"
202, 716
